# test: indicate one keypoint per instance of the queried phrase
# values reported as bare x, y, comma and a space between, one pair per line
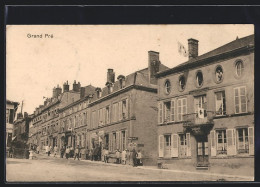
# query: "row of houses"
199, 113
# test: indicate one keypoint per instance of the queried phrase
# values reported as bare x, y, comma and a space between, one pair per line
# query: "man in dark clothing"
62, 150
134, 158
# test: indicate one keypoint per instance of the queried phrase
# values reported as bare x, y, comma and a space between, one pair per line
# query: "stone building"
73, 120
123, 114
21, 127
206, 109
45, 124
11, 108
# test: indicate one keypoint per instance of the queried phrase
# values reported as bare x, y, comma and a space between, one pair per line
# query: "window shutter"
174, 145
116, 113
231, 143
172, 110
243, 99
213, 149
251, 140
161, 145
179, 109
160, 113
110, 141
117, 140
126, 138
126, 106
184, 106
120, 110
236, 100
188, 144
104, 116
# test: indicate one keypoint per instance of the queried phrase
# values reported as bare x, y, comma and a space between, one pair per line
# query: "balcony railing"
194, 119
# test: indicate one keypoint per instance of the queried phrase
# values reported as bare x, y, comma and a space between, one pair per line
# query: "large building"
11, 108
206, 109
123, 114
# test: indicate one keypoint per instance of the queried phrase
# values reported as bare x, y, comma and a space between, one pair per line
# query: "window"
239, 68
125, 109
199, 79
167, 87
219, 74
7, 115
220, 103
107, 120
183, 147
181, 108
115, 112
200, 106
181, 83
242, 137
240, 100
167, 111
114, 142
221, 142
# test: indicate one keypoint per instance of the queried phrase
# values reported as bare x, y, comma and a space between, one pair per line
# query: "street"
52, 169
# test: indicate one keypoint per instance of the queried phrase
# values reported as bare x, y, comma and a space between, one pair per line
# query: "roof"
235, 44
139, 78
12, 102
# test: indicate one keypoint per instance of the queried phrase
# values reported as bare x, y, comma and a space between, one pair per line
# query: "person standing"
48, 150
71, 152
55, 150
106, 155
83, 153
117, 156
62, 150
123, 157
76, 154
38, 149
87, 153
134, 154
67, 152
139, 158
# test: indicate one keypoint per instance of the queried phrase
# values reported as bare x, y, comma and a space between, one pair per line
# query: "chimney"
193, 48
76, 87
25, 115
58, 90
54, 92
153, 66
66, 87
110, 76
82, 92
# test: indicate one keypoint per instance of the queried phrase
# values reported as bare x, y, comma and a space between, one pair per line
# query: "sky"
34, 66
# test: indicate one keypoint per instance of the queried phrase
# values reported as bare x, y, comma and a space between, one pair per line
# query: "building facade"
11, 108
122, 115
21, 127
206, 109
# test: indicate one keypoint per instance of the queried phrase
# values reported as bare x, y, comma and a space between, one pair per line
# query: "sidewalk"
206, 172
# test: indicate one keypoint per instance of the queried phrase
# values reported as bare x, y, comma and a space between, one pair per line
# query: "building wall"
209, 87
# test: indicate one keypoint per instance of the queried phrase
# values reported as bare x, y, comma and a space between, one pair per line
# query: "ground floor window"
167, 145
182, 145
221, 142
242, 137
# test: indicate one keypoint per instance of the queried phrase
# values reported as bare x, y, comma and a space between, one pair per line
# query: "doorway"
202, 151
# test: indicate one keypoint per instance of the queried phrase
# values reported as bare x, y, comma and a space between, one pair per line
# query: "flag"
182, 50
200, 112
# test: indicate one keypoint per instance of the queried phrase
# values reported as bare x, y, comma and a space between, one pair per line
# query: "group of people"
132, 157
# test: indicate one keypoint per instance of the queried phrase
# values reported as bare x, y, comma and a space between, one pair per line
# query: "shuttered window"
160, 113
181, 108
240, 100
172, 110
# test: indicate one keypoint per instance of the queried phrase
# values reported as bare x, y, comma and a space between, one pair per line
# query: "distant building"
123, 114
21, 127
206, 108
11, 108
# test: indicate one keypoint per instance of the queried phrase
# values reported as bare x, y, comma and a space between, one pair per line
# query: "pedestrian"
48, 150
134, 154
83, 153
62, 150
71, 152
91, 154
76, 154
55, 150
139, 158
38, 149
117, 156
103, 155
67, 152
123, 157
11, 152
87, 153
106, 152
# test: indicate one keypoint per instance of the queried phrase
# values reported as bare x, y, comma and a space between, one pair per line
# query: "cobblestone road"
60, 170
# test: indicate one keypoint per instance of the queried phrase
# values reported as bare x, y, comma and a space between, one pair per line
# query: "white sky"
84, 53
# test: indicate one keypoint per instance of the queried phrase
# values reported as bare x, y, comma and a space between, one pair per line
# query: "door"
167, 146
202, 151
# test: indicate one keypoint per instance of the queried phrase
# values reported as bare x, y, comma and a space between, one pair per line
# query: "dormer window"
121, 80
99, 92
109, 87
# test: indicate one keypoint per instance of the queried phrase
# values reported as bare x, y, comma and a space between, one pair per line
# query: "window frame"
239, 100
196, 81
167, 87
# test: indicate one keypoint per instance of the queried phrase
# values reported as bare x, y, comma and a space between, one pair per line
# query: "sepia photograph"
151, 102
